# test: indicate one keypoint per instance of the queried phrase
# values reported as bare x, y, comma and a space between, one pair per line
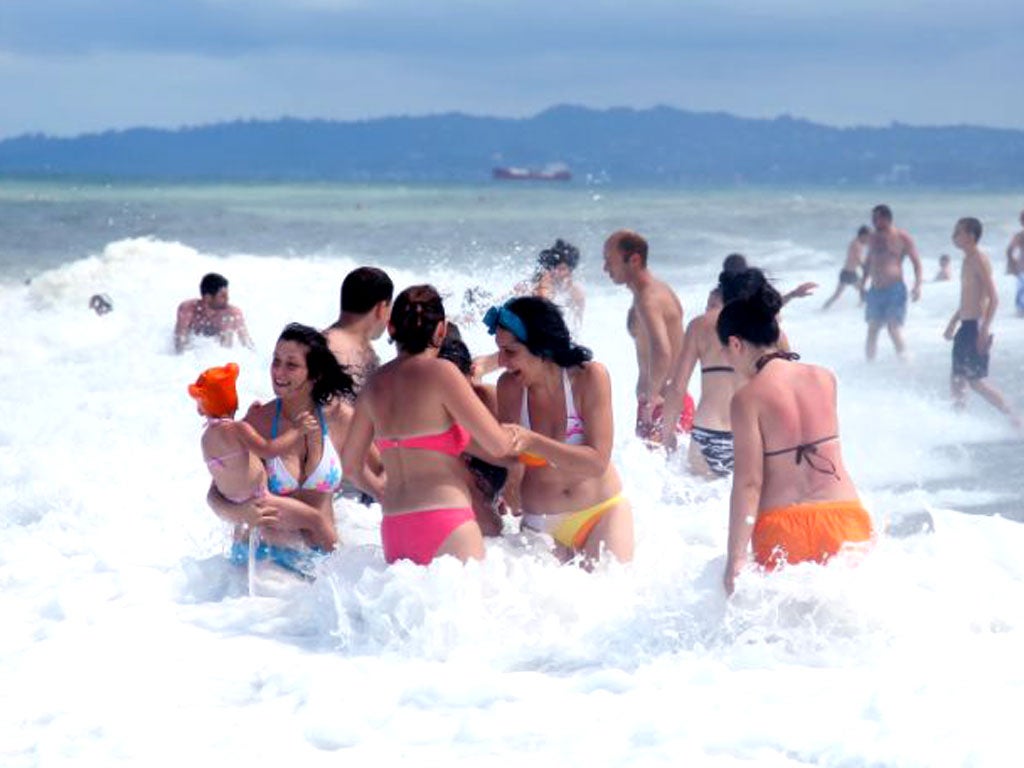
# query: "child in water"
233, 449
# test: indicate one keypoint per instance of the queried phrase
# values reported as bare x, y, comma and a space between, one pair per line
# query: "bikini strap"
778, 354
809, 451
277, 415
570, 406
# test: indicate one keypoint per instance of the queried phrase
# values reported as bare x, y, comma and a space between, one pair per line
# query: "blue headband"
504, 317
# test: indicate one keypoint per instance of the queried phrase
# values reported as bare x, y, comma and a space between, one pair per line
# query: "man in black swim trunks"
972, 340
850, 274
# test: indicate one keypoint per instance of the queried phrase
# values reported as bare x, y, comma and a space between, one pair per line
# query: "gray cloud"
68, 66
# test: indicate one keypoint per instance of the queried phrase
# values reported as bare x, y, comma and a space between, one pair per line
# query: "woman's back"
419, 439
795, 408
717, 382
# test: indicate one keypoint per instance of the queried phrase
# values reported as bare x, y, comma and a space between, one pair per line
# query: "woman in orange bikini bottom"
813, 531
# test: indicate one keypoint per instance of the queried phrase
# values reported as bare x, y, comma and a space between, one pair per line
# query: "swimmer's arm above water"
675, 390
747, 481
910, 248
355, 454
265, 448
186, 313
951, 327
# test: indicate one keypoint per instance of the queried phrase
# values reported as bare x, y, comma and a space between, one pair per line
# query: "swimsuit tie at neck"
764, 359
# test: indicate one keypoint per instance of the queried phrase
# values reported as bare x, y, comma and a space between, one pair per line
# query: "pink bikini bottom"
417, 536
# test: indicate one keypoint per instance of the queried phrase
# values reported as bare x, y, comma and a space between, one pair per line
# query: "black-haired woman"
297, 516
570, 490
792, 498
711, 449
422, 414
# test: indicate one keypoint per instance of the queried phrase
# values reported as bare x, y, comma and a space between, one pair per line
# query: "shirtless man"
655, 321
850, 273
973, 339
886, 298
1015, 264
210, 315
366, 294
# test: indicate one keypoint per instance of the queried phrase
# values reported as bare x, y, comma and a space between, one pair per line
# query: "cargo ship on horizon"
550, 173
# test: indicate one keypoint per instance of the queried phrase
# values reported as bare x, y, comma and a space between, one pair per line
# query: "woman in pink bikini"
569, 488
296, 518
423, 414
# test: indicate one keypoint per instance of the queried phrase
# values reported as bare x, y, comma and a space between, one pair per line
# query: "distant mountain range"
651, 146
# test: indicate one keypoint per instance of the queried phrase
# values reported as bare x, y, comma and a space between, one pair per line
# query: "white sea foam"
128, 639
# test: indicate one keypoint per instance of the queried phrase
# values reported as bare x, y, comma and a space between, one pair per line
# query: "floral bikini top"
325, 478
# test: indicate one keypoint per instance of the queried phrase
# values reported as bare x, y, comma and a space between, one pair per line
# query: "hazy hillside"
657, 146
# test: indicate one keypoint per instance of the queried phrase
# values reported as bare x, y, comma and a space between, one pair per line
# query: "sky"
69, 67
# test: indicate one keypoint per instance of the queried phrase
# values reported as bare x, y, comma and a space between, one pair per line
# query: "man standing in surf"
655, 321
972, 340
886, 296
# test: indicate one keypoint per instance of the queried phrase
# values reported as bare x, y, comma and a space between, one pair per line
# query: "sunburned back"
406, 400
796, 407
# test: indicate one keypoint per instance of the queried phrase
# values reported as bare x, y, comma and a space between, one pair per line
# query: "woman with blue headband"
569, 488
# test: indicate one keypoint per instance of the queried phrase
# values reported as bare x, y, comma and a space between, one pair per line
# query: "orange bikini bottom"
808, 532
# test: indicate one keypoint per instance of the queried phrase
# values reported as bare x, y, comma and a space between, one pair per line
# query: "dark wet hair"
863, 230
559, 253
882, 210
364, 288
329, 378
734, 262
628, 242
211, 284
414, 317
737, 284
454, 350
547, 335
752, 316
971, 226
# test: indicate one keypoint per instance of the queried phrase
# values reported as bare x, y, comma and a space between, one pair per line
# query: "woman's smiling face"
288, 372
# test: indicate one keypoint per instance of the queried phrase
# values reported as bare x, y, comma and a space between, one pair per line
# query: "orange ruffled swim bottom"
808, 532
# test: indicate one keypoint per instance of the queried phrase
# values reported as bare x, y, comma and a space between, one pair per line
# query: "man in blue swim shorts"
886, 296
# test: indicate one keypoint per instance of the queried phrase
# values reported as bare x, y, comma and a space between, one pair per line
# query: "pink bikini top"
453, 441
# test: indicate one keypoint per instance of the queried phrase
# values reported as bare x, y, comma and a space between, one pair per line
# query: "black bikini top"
805, 451
717, 369
809, 451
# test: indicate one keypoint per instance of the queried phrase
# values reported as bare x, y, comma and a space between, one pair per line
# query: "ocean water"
128, 640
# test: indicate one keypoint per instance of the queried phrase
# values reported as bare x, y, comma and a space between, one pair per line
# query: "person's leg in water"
958, 388
896, 334
832, 299
871, 348
995, 398
613, 534
466, 543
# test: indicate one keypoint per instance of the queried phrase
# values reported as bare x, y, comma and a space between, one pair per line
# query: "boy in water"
366, 294
945, 273
972, 340
850, 274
